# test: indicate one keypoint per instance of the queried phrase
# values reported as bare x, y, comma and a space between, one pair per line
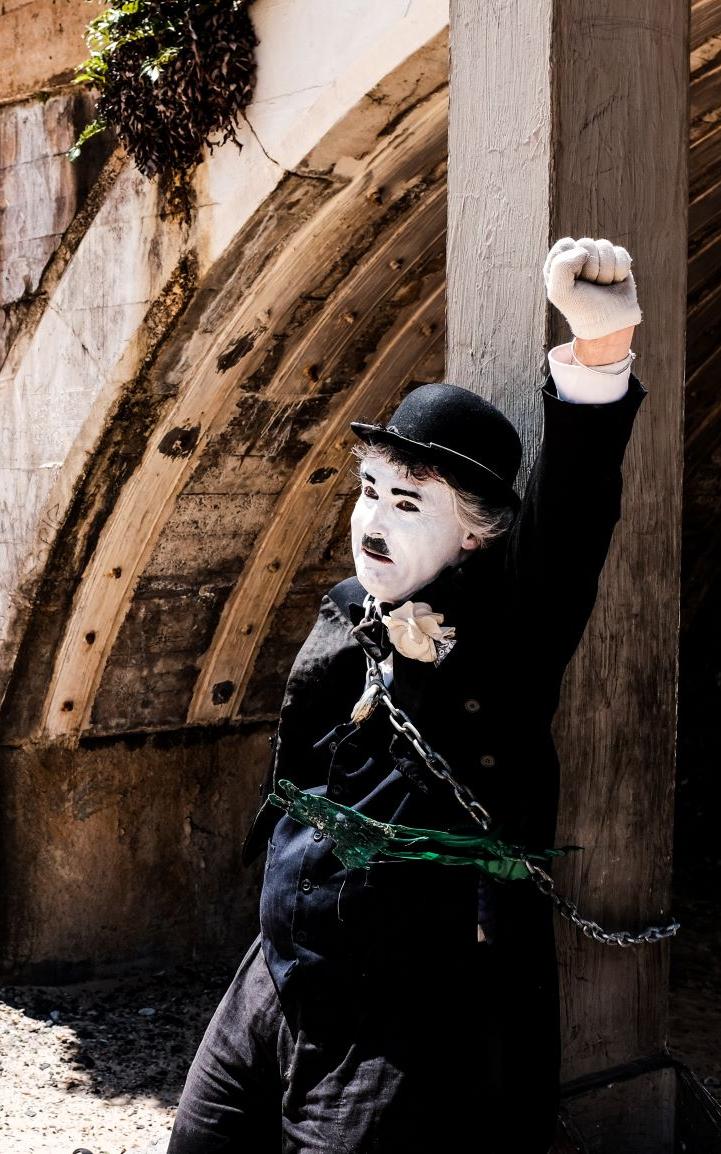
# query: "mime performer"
402, 994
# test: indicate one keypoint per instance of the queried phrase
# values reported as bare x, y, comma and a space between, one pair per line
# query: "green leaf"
90, 130
153, 66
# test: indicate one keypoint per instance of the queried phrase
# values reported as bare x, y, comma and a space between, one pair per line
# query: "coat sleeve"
560, 539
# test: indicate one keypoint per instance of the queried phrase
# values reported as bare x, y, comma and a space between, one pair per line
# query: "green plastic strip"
358, 838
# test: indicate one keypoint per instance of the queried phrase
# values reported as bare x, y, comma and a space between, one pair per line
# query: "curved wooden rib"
208, 400
248, 611
417, 236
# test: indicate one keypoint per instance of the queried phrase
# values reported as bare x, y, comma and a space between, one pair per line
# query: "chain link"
591, 929
402, 724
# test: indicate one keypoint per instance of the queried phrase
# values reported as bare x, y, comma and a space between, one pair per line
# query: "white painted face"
403, 532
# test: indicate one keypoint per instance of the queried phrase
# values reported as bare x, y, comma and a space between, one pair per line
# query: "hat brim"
472, 475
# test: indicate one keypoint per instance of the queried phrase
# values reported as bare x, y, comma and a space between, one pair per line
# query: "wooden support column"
568, 117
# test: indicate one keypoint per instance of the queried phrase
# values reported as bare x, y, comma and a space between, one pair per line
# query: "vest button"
301, 936
333, 746
306, 885
488, 760
318, 836
336, 790
472, 705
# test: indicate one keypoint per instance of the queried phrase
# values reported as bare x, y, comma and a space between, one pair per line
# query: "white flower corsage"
416, 631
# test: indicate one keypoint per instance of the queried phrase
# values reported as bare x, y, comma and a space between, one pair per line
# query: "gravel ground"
101, 1065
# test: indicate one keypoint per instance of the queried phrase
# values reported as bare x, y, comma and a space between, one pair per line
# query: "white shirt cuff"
580, 384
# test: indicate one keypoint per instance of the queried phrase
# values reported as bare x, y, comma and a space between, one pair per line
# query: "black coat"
520, 608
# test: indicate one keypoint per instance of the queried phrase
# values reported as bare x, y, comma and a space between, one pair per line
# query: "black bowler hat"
460, 433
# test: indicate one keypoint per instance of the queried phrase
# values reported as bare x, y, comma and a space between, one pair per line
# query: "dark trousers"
381, 1075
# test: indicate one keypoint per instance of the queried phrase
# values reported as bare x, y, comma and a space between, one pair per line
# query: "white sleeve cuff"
581, 385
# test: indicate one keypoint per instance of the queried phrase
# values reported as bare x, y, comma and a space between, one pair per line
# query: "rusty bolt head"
222, 692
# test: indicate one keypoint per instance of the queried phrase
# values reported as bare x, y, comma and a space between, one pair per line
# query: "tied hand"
591, 283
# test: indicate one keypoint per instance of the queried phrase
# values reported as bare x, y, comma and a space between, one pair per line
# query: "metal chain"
376, 691
569, 910
402, 724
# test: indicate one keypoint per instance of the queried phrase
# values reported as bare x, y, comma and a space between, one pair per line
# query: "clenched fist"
591, 283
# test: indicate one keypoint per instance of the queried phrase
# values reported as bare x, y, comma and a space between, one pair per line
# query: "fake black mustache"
375, 545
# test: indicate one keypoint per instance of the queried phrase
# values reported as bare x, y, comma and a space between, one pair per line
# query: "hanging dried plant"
173, 75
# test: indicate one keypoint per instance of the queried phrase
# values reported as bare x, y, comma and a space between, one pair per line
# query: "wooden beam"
625, 129
208, 398
270, 571
704, 211
704, 327
705, 93
705, 264
705, 160
498, 206
703, 382
545, 141
705, 22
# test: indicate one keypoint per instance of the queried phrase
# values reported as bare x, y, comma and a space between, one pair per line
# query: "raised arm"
561, 537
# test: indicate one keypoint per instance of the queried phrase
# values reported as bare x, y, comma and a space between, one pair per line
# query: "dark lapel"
468, 598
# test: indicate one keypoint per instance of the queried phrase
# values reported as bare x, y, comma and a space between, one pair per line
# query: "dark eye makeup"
404, 506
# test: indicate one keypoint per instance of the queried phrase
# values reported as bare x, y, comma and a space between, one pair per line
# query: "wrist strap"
628, 361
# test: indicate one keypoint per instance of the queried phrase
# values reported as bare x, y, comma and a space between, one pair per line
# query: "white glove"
591, 283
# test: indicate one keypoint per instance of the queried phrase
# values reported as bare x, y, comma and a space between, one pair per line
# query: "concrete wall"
174, 359
42, 43
127, 851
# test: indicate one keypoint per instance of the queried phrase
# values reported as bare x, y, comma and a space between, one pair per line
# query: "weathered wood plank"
705, 21
498, 209
704, 326
702, 382
620, 170
705, 161
704, 265
613, 140
705, 93
635, 1115
704, 211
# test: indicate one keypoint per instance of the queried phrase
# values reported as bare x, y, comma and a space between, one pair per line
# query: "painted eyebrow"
394, 492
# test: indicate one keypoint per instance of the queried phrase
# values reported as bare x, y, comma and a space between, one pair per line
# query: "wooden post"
568, 117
